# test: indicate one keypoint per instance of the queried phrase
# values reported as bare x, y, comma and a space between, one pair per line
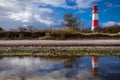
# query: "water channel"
72, 68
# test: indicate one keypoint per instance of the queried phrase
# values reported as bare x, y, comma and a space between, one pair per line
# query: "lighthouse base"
93, 29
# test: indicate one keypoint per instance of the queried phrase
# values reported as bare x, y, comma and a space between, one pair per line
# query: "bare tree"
31, 28
22, 29
73, 23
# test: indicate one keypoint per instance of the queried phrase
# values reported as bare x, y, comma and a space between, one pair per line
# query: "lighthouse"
95, 21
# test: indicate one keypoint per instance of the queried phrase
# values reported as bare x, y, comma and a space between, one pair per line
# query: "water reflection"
84, 68
70, 62
95, 65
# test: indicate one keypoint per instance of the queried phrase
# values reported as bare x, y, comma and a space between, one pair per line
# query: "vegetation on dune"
56, 34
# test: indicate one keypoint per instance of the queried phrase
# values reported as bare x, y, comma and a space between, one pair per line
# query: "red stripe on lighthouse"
95, 23
95, 11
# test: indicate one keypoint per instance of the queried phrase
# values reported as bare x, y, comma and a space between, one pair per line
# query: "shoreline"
59, 47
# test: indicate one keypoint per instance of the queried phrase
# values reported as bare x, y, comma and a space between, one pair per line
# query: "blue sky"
46, 14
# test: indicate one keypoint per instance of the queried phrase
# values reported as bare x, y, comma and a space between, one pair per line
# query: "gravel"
60, 42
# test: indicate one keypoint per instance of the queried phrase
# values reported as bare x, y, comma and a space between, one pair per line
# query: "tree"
31, 28
112, 29
1, 29
27, 29
72, 23
22, 29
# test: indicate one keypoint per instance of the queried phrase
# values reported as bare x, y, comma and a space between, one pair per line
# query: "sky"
47, 14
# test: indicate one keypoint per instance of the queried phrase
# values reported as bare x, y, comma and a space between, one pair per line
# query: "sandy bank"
59, 42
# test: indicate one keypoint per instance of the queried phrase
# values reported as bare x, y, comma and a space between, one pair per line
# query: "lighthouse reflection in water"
72, 68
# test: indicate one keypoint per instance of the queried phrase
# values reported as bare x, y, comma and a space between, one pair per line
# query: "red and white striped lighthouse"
95, 22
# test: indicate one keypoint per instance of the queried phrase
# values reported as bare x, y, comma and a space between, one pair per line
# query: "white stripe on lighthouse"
95, 16
93, 27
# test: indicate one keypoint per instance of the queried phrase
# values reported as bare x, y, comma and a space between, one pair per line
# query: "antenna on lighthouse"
94, 17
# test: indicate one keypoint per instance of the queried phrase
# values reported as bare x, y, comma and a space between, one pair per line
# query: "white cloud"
85, 3
111, 23
56, 3
108, 4
45, 10
22, 16
46, 20
8, 3
26, 11
80, 11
